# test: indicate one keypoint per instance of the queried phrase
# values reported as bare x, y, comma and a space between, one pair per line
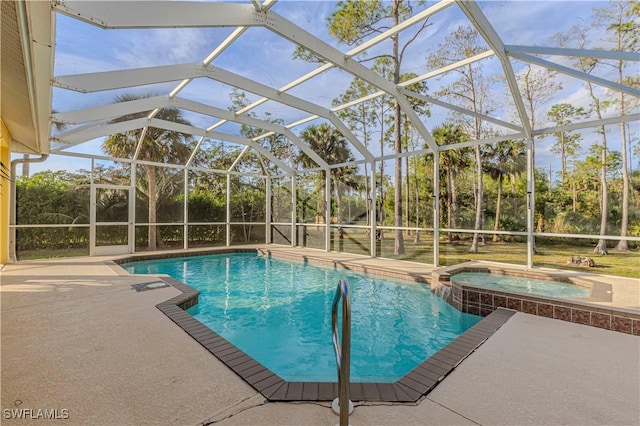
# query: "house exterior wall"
5, 149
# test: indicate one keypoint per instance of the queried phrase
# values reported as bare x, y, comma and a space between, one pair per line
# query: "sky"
266, 58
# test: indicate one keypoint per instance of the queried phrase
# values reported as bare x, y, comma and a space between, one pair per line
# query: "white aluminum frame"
94, 249
97, 122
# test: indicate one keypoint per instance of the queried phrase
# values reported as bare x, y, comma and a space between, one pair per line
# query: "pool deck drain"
149, 286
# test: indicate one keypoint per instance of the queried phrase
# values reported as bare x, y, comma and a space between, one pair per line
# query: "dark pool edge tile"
426, 376
248, 369
477, 300
410, 388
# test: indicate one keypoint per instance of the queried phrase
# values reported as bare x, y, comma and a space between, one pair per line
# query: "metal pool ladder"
343, 351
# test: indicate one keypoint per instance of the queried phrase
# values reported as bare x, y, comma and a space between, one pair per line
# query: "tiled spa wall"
483, 301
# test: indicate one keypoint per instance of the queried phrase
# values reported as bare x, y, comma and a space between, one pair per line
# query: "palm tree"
452, 161
507, 158
158, 145
332, 147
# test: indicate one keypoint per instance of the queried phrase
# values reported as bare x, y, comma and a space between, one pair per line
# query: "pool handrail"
342, 348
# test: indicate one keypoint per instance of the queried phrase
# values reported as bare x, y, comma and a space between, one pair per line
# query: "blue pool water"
279, 313
522, 285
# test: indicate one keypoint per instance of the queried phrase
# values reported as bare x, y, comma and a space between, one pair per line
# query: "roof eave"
27, 65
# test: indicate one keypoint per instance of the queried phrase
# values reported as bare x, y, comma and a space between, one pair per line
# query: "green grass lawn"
551, 253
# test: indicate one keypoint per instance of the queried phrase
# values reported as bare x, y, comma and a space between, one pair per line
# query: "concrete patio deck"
77, 337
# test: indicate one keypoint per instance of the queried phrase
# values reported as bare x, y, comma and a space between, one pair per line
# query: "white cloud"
163, 46
265, 57
78, 63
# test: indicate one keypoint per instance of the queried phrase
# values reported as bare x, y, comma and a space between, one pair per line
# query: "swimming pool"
278, 312
522, 284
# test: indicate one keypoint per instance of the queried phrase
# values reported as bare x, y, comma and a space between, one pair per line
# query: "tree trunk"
540, 225
623, 245
407, 210
496, 226
367, 194
319, 216
152, 216
451, 211
562, 157
381, 212
245, 233
454, 200
479, 200
336, 184
398, 247
601, 247
416, 238
478, 157
322, 190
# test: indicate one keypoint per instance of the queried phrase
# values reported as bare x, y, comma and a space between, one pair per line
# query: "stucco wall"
5, 142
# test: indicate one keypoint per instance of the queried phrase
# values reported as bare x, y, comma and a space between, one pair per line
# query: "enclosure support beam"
294, 209
75, 137
581, 53
143, 134
465, 111
531, 200
92, 213
371, 205
486, 30
436, 208
185, 213
327, 209
301, 37
489, 34
138, 14
269, 212
228, 210
578, 74
132, 207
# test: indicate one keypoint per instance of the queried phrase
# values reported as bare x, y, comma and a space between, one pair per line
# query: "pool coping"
410, 388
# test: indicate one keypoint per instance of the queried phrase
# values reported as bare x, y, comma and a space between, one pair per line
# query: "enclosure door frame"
96, 250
